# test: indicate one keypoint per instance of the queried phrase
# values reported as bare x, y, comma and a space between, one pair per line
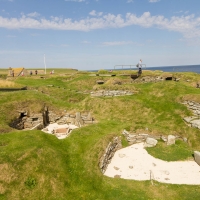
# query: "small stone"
122, 155
116, 168
171, 139
117, 176
150, 142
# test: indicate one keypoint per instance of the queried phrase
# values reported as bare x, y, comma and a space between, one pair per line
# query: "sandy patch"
135, 163
60, 131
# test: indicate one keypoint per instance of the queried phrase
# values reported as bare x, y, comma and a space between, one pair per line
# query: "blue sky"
99, 34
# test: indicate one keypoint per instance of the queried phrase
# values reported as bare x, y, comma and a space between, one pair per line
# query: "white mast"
44, 65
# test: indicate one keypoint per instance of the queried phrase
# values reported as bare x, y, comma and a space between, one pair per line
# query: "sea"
181, 68
185, 68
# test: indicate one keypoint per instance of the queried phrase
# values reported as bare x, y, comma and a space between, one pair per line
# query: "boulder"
150, 142
171, 139
197, 157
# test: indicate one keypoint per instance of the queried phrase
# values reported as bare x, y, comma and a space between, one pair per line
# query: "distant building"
21, 71
15, 72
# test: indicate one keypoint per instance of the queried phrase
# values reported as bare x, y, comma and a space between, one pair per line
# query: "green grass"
47, 168
178, 151
35, 165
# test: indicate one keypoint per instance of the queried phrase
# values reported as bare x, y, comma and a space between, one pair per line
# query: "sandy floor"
51, 127
135, 163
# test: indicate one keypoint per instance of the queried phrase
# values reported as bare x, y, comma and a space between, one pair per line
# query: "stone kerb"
112, 147
193, 121
110, 93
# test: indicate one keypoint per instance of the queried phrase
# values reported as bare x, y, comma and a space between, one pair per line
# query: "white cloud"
181, 11
94, 13
129, 1
33, 14
153, 1
188, 25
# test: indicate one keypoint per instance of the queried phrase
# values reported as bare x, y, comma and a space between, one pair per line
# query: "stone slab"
197, 157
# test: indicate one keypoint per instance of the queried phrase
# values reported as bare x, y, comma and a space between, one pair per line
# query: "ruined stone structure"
148, 79
193, 121
110, 93
112, 147
40, 120
150, 140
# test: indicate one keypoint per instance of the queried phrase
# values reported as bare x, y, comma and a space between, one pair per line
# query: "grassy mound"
35, 165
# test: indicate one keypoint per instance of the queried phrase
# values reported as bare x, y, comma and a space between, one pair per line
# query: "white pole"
44, 65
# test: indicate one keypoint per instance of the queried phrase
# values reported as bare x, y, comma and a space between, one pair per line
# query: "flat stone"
189, 119
195, 123
150, 142
61, 130
197, 157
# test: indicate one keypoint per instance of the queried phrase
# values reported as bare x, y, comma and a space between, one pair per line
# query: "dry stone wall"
110, 93
150, 140
152, 79
112, 147
38, 121
193, 121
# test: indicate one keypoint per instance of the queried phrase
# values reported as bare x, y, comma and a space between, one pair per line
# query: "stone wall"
193, 121
152, 79
137, 138
112, 147
110, 93
41, 120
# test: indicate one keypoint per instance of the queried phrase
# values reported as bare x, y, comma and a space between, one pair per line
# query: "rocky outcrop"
110, 93
112, 147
